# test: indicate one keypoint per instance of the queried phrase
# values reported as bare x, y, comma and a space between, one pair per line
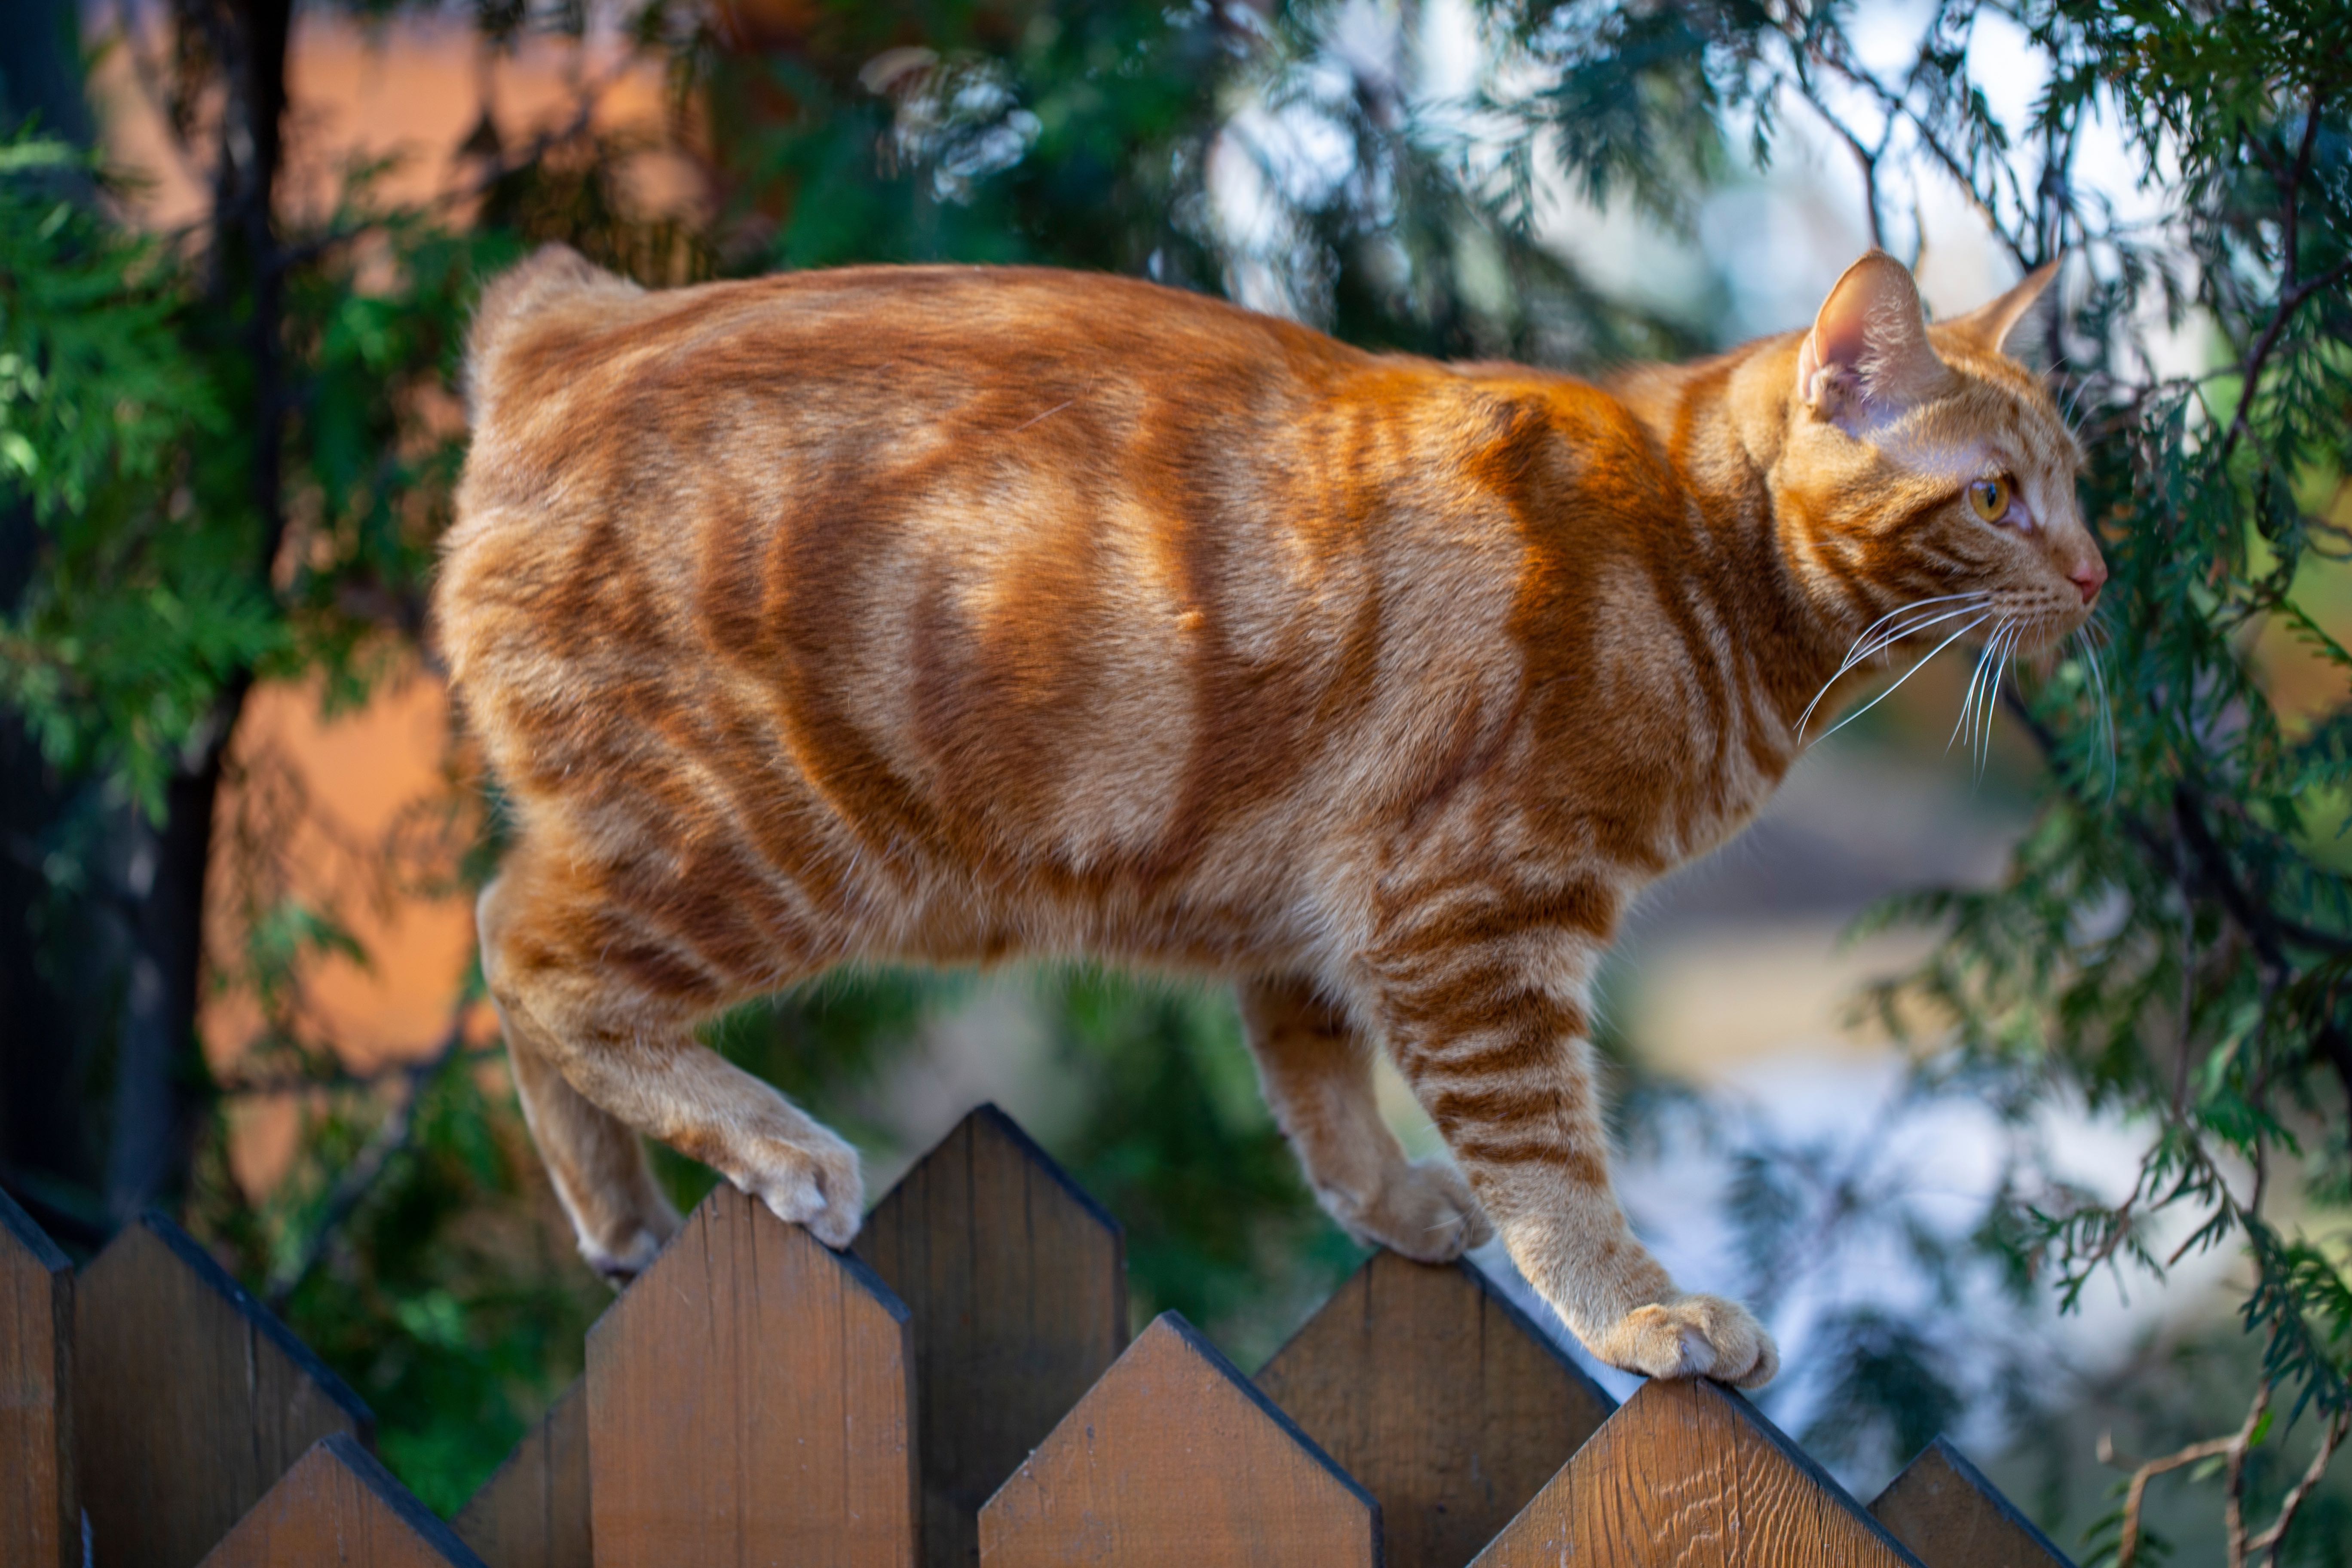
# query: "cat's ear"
1867, 357
1987, 327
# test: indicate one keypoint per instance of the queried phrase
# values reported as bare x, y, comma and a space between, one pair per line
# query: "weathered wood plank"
190, 1400
1016, 1282
1173, 1460
1440, 1397
1944, 1510
338, 1508
750, 1401
1688, 1473
534, 1511
40, 1518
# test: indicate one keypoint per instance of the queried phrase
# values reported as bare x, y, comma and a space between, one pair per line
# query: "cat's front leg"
1485, 1002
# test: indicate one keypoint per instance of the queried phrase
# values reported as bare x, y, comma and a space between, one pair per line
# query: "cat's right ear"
1867, 358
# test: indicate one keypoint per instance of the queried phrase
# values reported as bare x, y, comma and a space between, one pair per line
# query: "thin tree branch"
361, 1175
2270, 1540
1864, 159
2250, 374
277, 1084
2291, 291
2233, 1446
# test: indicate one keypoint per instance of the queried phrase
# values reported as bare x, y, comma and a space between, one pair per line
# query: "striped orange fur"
947, 614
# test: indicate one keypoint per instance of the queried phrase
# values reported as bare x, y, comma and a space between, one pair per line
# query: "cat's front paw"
1692, 1336
814, 1183
1423, 1212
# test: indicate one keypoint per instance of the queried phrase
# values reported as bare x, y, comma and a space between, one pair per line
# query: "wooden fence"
959, 1389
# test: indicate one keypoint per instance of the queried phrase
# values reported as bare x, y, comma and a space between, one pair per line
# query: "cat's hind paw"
1692, 1336
619, 1264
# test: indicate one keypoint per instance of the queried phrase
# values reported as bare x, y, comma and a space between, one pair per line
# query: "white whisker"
2103, 710
1907, 676
1916, 604
1966, 722
2004, 645
1896, 634
1859, 653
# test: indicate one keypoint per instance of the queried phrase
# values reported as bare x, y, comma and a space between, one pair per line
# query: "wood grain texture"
1440, 1397
190, 1400
1173, 1460
338, 1508
749, 1403
1688, 1473
1017, 1284
40, 1521
1944, 1510
534, 1511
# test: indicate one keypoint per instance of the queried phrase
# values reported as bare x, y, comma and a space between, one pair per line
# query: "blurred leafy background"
230, 419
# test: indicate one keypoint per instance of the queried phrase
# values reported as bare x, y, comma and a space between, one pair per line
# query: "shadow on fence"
958, 1390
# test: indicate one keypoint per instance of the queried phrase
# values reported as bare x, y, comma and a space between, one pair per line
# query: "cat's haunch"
946, 614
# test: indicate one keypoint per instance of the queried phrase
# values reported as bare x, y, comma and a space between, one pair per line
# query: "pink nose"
2088, 577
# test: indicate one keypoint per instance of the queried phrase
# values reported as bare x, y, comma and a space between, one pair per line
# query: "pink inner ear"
1872, 325
1841, 332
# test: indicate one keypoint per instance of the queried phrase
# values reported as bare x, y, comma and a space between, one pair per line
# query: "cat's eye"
1989, 498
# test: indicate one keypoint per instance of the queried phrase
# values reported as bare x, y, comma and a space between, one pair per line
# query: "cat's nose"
2088, 577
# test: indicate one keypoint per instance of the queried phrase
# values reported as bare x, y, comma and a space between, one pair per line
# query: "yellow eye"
1990, 497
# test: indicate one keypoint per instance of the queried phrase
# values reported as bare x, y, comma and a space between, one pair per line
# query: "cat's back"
569, 365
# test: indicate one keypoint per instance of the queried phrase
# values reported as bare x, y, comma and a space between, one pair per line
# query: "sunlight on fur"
946, 614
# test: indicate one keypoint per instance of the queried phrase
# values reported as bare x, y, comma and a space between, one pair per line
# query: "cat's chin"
2040, 645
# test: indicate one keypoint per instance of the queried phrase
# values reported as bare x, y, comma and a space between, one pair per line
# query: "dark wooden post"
749, 1401
1017, 1284
1946, 1511
1688, 1473
1440, 1397
1173, 1460
190, 1400
40, 1518
534, 1511
337, 1508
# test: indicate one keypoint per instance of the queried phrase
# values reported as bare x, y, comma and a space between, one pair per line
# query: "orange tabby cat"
943, 614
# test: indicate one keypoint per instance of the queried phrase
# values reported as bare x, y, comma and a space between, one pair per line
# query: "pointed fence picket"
1943, 1509
1440, 1396
338, 1505
41, 1523
750, 1400
534, 1511
1174, 1458
190, 1400
967, 1398
1689, 1473
1016, 1282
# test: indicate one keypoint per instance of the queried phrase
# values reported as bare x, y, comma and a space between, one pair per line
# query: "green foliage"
2172, 941
1178, 1145
2173, 934
143, 604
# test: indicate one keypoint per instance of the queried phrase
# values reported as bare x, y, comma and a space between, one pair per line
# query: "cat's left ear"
1867, 358
1987, 327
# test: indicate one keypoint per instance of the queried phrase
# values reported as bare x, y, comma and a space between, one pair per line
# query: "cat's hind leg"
620, 1036
596, 1164
1484, 1000
1317, 1075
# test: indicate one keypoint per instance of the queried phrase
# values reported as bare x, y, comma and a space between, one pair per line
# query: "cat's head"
1924, 467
